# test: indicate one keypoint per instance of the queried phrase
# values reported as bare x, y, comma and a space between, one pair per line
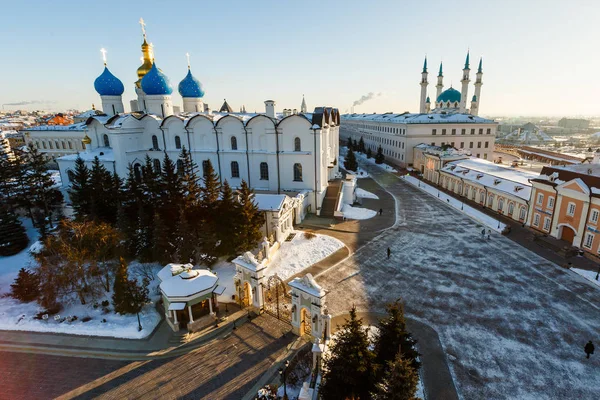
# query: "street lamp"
138, 317
598, 274
283, 373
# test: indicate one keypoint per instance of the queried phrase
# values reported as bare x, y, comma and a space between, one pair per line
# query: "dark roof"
566, 175
225, 108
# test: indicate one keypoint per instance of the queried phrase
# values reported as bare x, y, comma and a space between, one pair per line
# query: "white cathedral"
292, 153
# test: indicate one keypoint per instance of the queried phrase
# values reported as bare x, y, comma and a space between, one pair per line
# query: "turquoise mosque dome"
190, 86
449, 95
108, 85
155, 82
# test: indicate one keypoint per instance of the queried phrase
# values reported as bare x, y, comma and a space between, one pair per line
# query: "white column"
190, 311
175, 317
210, 304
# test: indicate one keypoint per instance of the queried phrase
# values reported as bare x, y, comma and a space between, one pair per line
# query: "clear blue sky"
540, 57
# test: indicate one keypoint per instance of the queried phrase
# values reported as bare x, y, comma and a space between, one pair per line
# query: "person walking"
489, 233
389, 252
589, 348
380, 211
483, 233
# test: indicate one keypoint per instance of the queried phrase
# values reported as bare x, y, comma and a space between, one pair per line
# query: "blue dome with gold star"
156, 83
190, 86
108, 85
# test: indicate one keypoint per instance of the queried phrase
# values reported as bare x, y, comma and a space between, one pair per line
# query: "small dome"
190, 86
108, 85
156, 83
449, 95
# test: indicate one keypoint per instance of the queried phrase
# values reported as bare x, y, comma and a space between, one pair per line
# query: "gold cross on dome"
103, 51
143, 24
187, 55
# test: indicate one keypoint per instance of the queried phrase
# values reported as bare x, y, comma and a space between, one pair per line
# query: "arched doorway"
247, 296
305, 322
567, 234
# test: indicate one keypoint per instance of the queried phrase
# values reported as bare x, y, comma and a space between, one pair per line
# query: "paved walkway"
224, 368
435, 373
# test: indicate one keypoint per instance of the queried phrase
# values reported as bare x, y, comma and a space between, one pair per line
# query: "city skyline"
534, 59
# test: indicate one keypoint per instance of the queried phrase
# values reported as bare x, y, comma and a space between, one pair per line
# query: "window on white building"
571, 209
490, 200
500, 204
264, 171
235, 169
546, 224
536, 220
177, 142
522, 213
482, 197
540, 198
156, 163
155, 142
234, 143
180, 166
588, 241
594, 216
550, 202
511, 208
297, 172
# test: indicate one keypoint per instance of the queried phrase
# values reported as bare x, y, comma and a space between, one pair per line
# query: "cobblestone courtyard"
513, 324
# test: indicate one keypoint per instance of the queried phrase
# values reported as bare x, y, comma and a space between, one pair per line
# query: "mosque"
290, 153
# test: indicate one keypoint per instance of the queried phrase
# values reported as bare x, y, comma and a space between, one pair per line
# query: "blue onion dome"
449, 95
156, 83
190, 86
108, 85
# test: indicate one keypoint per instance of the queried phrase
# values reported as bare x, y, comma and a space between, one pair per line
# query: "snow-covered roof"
88, 113
588, 169
506, 179
269, 202
408, 118
444, 153
80, 126
170, 270
189, 283
308, 285
103, 154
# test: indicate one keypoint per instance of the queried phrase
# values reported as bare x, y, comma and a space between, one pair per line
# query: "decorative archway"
308, 308
305, 322
567, 233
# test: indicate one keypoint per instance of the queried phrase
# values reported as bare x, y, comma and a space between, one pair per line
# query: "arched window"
157, 165
500, 204
179, 165
297, 144
482, 197
177, 142
137, 171
106, 142
233, 143
56, 143
205, 164
235, 169
50, 143
297, 172
490, 200
44, 144
264, 171
70, 145
154, 142
511, 208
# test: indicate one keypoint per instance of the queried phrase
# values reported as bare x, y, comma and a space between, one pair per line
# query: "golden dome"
147, 62
86, 140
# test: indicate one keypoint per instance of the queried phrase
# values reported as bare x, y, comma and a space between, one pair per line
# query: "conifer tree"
13, 237
149, 197
42, 194
26, 286
400, 381
81, 191
350, 163
349, 368
361, 145
249, 221
103, 206
228, 212
169, 209
189, 179
129, 297
350, 145
186, 241
379, 157
369, 153
119, 296
392, 337
163, 243
129, 213
208, 205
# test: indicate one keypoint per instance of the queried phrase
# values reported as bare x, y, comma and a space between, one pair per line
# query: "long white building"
449, 123
289, 152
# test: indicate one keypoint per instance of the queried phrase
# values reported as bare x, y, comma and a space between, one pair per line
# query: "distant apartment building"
574, 123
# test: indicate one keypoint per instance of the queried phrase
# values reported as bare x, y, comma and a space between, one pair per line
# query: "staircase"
331, 198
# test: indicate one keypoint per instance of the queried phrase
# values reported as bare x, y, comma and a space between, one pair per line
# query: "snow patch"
589, 275
363, 194
357, 212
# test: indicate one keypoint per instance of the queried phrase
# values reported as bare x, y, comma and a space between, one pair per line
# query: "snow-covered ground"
357, 212
17, 316
225, 271
363, 194
477, 215
384, 166
589, 275
359, 173
300, 253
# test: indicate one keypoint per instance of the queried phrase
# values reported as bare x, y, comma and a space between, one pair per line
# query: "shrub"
309, 235
86, 319
26, 287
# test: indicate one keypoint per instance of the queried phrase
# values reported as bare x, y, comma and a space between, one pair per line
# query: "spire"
428, 101
467, 60
187, 55
425, 65
303, 105
103, 51
440, 73
479, 70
